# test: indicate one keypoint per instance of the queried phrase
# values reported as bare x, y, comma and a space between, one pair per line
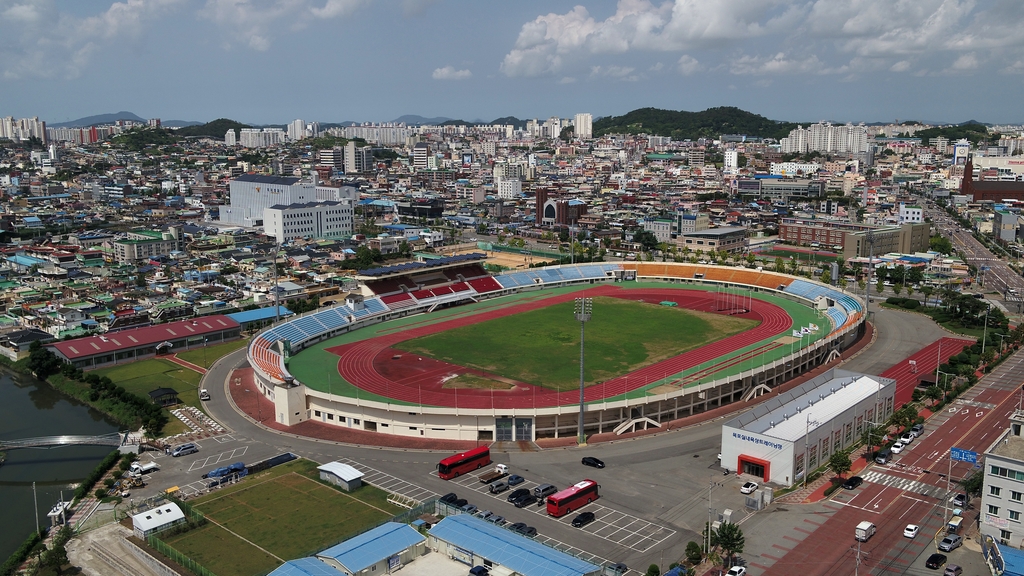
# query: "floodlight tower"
583, 308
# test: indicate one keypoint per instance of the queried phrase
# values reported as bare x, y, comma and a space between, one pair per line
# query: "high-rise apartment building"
256, 138
230, 139
296, 130
583, 125
22, 128
358, 159
824, 137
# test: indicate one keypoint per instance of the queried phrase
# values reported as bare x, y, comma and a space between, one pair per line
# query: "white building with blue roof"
379, 551
305, 567
477, 542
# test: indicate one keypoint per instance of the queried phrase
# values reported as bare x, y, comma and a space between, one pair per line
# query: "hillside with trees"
683, 125
215, 129
972, 131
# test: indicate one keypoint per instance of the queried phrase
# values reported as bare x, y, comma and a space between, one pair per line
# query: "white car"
907, 438
911, 530
897, 447
748, 487
736, 571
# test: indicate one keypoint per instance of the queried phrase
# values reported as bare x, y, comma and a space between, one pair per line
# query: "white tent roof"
343, 471
156, 517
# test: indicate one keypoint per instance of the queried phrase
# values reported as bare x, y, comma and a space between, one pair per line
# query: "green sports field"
144, 376
280, 515
622, 336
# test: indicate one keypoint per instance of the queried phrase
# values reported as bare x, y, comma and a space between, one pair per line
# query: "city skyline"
272, 61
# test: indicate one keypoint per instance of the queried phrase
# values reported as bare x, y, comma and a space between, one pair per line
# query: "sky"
272, 61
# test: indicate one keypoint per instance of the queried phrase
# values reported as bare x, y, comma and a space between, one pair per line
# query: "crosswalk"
903, 484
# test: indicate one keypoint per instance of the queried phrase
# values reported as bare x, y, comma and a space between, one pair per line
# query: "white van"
864, 531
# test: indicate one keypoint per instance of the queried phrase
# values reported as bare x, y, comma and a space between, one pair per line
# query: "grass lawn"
542, 346
144, 376
286, 511
212, 353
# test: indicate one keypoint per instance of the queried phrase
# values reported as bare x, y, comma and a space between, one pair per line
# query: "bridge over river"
112, 439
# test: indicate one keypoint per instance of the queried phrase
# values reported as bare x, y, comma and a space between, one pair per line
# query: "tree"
872, 436
840, 463
646, 239
694, 553
780, 264
973, 484
897, 288
879, 286
731, 540
653, 570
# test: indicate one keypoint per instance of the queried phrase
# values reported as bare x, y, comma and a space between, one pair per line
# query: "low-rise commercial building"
807, 424
1002, 496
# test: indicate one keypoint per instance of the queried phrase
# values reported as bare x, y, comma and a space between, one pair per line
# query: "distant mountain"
215, 129
329, 125
178, 123
98, 119
973, 131
683, 125
519, 124
414, 120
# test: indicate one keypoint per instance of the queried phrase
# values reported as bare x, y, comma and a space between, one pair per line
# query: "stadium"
442, 349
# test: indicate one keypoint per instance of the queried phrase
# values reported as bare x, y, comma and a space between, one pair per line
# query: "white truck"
500, 471
865, 530
140, 468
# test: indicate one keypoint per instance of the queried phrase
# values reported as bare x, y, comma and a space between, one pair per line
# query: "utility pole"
277, 292
707, 537
35, 498
583, 309
867, 281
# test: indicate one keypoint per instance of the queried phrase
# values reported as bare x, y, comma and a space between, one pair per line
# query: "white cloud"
38, 39
777, 64
450, 73
567, 80
254, 23
966, 62
836, 35
689, 65
624, 73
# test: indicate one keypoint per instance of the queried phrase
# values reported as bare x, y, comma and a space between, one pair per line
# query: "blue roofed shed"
472, 540
248, 318
305, 567
383, 549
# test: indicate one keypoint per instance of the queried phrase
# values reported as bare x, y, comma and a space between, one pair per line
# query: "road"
999, 276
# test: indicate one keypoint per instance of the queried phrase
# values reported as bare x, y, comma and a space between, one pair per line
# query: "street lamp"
984, 336
807, 431
582, 310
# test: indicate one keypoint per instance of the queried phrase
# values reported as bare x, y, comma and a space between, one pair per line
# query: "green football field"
279, 515
541, 347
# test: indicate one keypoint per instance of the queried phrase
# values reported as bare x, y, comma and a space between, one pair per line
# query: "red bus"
572, 498
453, 466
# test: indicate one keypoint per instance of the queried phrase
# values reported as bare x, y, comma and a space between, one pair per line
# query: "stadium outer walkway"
256, 407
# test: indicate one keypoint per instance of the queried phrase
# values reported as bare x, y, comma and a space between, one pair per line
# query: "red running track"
927, 361
359, 361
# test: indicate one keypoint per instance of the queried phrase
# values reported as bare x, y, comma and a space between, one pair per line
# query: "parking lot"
610, 524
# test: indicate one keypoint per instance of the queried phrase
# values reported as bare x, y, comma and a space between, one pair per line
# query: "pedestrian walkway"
195, 367
876, 477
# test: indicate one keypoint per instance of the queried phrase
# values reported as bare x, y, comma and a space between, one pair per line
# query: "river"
28, 409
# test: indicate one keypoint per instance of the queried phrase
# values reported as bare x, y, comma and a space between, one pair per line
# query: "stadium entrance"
513, 429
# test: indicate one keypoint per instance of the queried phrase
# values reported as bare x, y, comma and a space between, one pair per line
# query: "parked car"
917, 430
449, 498
736, 571
528, 531
479, 571
907, 438
951, 542
517, 526
497, 487
525, 501
515, 479
469, 508
748, 487
959, 500
935, 561
583, 519
911, 530
953, 570
897, 447
593, 462
852, 482
460, 503
485, 514
495, 519
619, 568
517, 494
184, 449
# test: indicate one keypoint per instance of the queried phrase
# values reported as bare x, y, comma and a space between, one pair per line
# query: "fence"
185, 562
